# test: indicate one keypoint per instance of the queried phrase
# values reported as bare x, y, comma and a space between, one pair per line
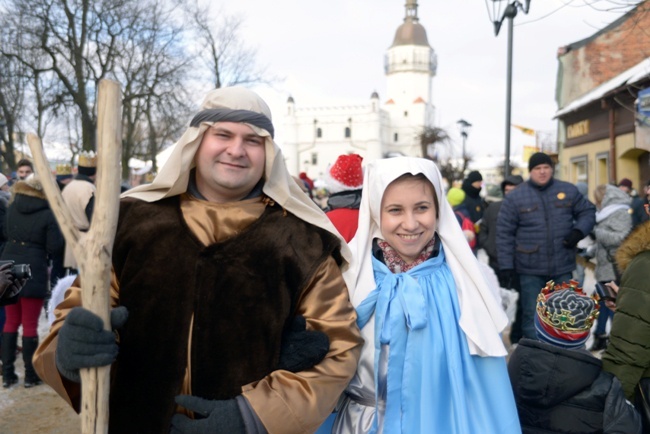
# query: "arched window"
347, 132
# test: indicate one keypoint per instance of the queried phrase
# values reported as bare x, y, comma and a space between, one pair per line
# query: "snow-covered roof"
634, 74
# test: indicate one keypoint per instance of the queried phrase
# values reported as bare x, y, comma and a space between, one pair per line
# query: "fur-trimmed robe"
628, 352
169, 282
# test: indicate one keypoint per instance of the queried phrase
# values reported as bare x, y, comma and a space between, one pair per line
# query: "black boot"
29, 348
9, 376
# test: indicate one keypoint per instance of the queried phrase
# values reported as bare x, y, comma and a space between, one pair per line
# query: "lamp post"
497, 18
464, 127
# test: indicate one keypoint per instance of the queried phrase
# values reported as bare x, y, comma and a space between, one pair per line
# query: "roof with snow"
633, 75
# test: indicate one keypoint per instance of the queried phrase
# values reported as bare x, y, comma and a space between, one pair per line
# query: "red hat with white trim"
345, 174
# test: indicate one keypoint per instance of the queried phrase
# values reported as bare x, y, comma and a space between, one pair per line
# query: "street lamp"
464, 127
497, 18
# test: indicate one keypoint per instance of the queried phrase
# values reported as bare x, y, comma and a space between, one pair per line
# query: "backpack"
466, 224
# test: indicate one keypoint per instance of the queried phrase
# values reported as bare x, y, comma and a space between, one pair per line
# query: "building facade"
376, 128
603, 133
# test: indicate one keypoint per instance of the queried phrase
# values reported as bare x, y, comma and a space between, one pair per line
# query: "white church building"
379, 127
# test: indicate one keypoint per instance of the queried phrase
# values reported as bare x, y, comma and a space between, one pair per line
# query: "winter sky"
331, 52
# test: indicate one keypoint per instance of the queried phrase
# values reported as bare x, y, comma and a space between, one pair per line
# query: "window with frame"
579, 172
602, 168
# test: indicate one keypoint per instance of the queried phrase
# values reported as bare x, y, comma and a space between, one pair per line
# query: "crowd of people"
277, 312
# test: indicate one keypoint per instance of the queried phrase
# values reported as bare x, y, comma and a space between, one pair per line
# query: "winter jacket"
32, 235
343, 212
638, 211
628, 353
613, 223
487, 234
4, 204
533, 223
565, 391
473, 201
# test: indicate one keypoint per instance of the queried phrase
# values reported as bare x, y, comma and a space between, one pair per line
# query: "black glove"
83, 342
506, 277
302, 349
574, 237
214, 417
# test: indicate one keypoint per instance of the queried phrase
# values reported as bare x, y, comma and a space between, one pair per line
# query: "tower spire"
411, 7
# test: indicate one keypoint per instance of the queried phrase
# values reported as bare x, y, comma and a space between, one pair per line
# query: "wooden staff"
93, 250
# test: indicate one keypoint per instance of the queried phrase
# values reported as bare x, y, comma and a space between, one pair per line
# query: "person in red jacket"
344, 181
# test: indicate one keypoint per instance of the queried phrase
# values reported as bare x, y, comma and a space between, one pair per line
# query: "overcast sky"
332, 51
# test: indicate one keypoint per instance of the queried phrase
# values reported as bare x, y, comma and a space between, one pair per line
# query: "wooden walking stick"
92, 250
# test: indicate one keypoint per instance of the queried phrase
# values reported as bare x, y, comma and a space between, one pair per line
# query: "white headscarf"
278, 183
481, 316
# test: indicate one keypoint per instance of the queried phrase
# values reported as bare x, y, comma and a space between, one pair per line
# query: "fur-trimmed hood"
30, 187
28, 196
638, 241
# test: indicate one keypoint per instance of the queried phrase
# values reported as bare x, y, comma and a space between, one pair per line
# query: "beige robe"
76, 196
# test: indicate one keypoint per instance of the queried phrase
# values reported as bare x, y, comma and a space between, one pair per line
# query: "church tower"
410, 65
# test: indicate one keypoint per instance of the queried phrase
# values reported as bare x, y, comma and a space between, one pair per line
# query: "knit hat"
474, 176
3, 180
455, 196
87, 163
625, 182
511, 180
565, 314
345, 174
539, 158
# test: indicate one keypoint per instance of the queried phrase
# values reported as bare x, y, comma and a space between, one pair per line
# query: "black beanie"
539, 158
88, 171
474, 176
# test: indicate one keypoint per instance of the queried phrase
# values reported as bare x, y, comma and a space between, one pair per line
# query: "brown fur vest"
237, 295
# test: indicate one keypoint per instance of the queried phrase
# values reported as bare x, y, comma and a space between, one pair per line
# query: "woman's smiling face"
408, 216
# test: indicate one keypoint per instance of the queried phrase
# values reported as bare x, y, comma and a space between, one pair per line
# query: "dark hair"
25, 162
421, 177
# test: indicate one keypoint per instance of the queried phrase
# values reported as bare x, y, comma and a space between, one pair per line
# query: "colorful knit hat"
565, 314
345, 174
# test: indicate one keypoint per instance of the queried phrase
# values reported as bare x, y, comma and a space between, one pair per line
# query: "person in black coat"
32, 236
473, 201
487, 235
559, 386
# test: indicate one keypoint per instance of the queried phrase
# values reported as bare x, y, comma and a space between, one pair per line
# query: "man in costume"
212, 261
79, 196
